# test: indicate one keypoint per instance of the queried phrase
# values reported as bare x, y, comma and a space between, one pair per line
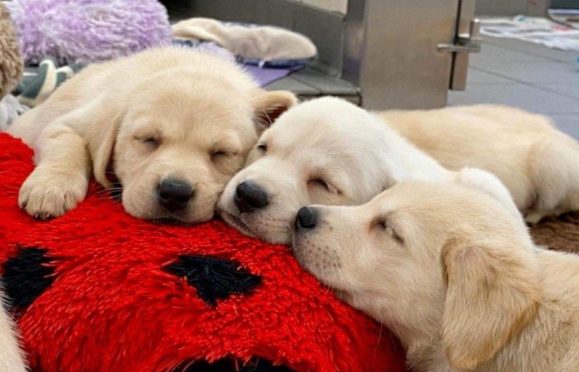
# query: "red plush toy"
98, 290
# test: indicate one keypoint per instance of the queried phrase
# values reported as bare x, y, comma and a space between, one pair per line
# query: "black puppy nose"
249, 196
307, 218
175, 194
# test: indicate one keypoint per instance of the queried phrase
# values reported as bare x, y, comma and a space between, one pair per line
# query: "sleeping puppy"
538, 163
324, 151
11, 357
171, 124
452, 273
328, 151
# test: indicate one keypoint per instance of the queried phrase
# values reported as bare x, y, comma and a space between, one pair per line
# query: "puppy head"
325, 151
178, 142
442, 261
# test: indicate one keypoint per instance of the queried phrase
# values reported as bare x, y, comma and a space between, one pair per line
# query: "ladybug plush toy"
98, 290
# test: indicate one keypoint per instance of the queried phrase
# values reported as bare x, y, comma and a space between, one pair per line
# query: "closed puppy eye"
319, 182
152, 142
262, 147
217, 154
383, 226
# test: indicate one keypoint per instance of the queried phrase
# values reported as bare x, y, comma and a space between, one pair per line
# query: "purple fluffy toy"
84, 31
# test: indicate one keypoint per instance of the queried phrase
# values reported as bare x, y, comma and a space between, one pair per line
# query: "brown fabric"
10, 61
558, 233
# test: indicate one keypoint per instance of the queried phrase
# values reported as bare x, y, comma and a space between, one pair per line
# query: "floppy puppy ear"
489, 184
268, 106
492, 293
101, 143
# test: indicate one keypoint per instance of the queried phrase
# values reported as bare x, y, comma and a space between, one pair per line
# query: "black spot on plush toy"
26, 276
213, 277
228, 364
98, 290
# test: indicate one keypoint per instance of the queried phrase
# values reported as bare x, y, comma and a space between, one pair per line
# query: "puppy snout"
249, 196
307, 218
174, 194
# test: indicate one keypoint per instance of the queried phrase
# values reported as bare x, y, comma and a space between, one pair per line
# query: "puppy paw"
533, 217
44, 195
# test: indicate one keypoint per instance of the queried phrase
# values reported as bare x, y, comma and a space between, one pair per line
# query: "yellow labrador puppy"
11, 358
324, 151
328, 151
453, 273
538, 163
171, 124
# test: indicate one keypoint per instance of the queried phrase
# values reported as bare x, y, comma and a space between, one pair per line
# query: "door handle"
468, 42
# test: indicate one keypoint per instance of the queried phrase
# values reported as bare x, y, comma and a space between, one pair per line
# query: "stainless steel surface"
468, 40
391, 53
386, 48
465, 43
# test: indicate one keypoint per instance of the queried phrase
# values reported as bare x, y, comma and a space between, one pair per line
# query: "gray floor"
525, 75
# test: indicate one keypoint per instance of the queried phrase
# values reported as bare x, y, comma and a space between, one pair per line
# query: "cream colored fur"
266, 43
326, 151
453, 273
538, 164
11, 357
163, 113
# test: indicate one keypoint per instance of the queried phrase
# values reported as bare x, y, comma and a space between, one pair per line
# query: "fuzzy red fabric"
110, 304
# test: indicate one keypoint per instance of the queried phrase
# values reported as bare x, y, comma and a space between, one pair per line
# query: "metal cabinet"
380, 54
407, 53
